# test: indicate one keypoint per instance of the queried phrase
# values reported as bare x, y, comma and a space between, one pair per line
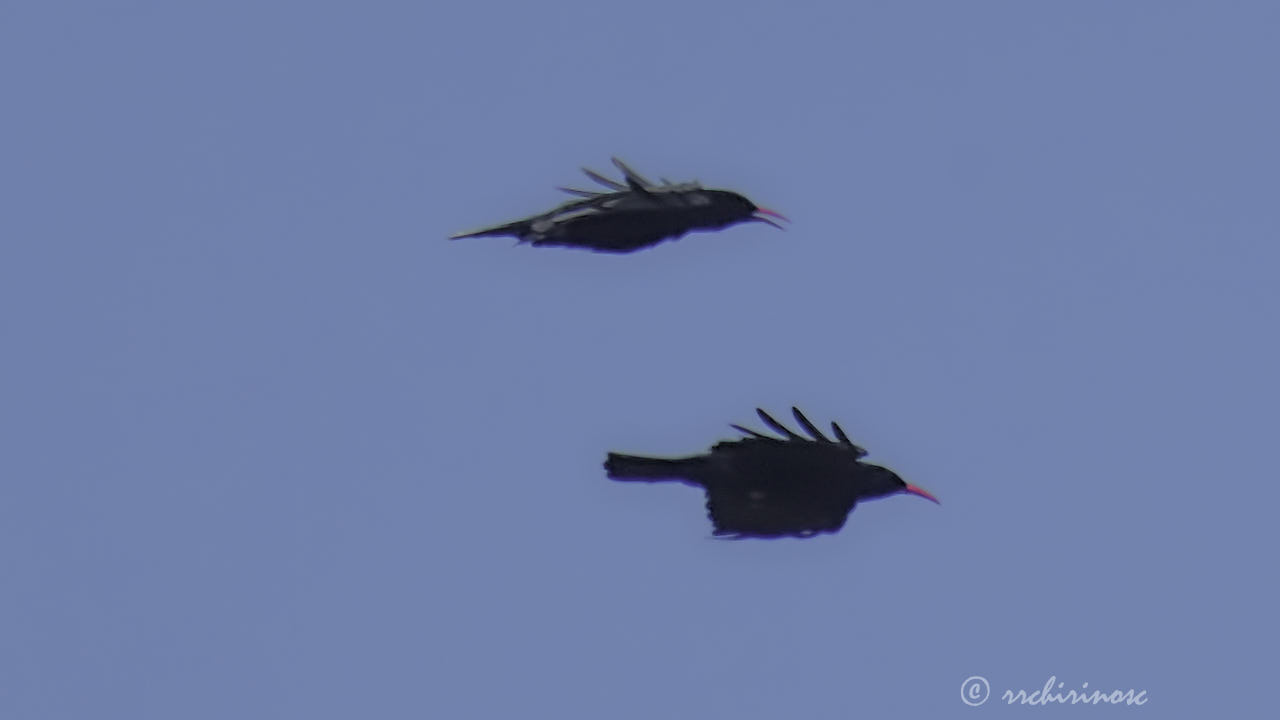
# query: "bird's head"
881, 482
727, 208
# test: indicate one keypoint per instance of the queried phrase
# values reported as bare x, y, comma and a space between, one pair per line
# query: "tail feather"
519, 229
647, 469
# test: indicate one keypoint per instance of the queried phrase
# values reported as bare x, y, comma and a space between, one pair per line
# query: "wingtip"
808, 426
777, 426
613, 185
749, 432
635, 180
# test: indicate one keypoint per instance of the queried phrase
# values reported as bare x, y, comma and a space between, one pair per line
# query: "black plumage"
763, 486
631, 215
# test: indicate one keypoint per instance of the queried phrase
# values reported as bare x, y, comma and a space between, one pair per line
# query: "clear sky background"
273, 447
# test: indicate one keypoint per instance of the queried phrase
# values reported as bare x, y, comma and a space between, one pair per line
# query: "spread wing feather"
611, 184
809, 427
633, 178
815, 434
777, 426
581, 193
753, 433
844, 440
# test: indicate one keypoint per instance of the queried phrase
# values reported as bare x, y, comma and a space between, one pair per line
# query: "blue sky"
275, 448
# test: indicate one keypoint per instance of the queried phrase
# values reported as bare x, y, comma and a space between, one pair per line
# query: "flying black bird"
632, 215
762, 486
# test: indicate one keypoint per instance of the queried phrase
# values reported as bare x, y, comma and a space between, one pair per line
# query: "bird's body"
631, 216
762, 486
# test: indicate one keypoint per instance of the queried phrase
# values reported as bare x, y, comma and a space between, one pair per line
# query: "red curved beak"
763, 215
921, 492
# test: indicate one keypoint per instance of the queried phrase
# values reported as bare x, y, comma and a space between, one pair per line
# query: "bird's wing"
768, 486
858, 451
635, 192
844, 444
809, 427
753, 433
611, 184
635, 180
774, 505
777, 426
594, 202
580, 192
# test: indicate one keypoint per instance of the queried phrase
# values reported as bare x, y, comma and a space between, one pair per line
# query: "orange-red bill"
921, 492
766, 211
